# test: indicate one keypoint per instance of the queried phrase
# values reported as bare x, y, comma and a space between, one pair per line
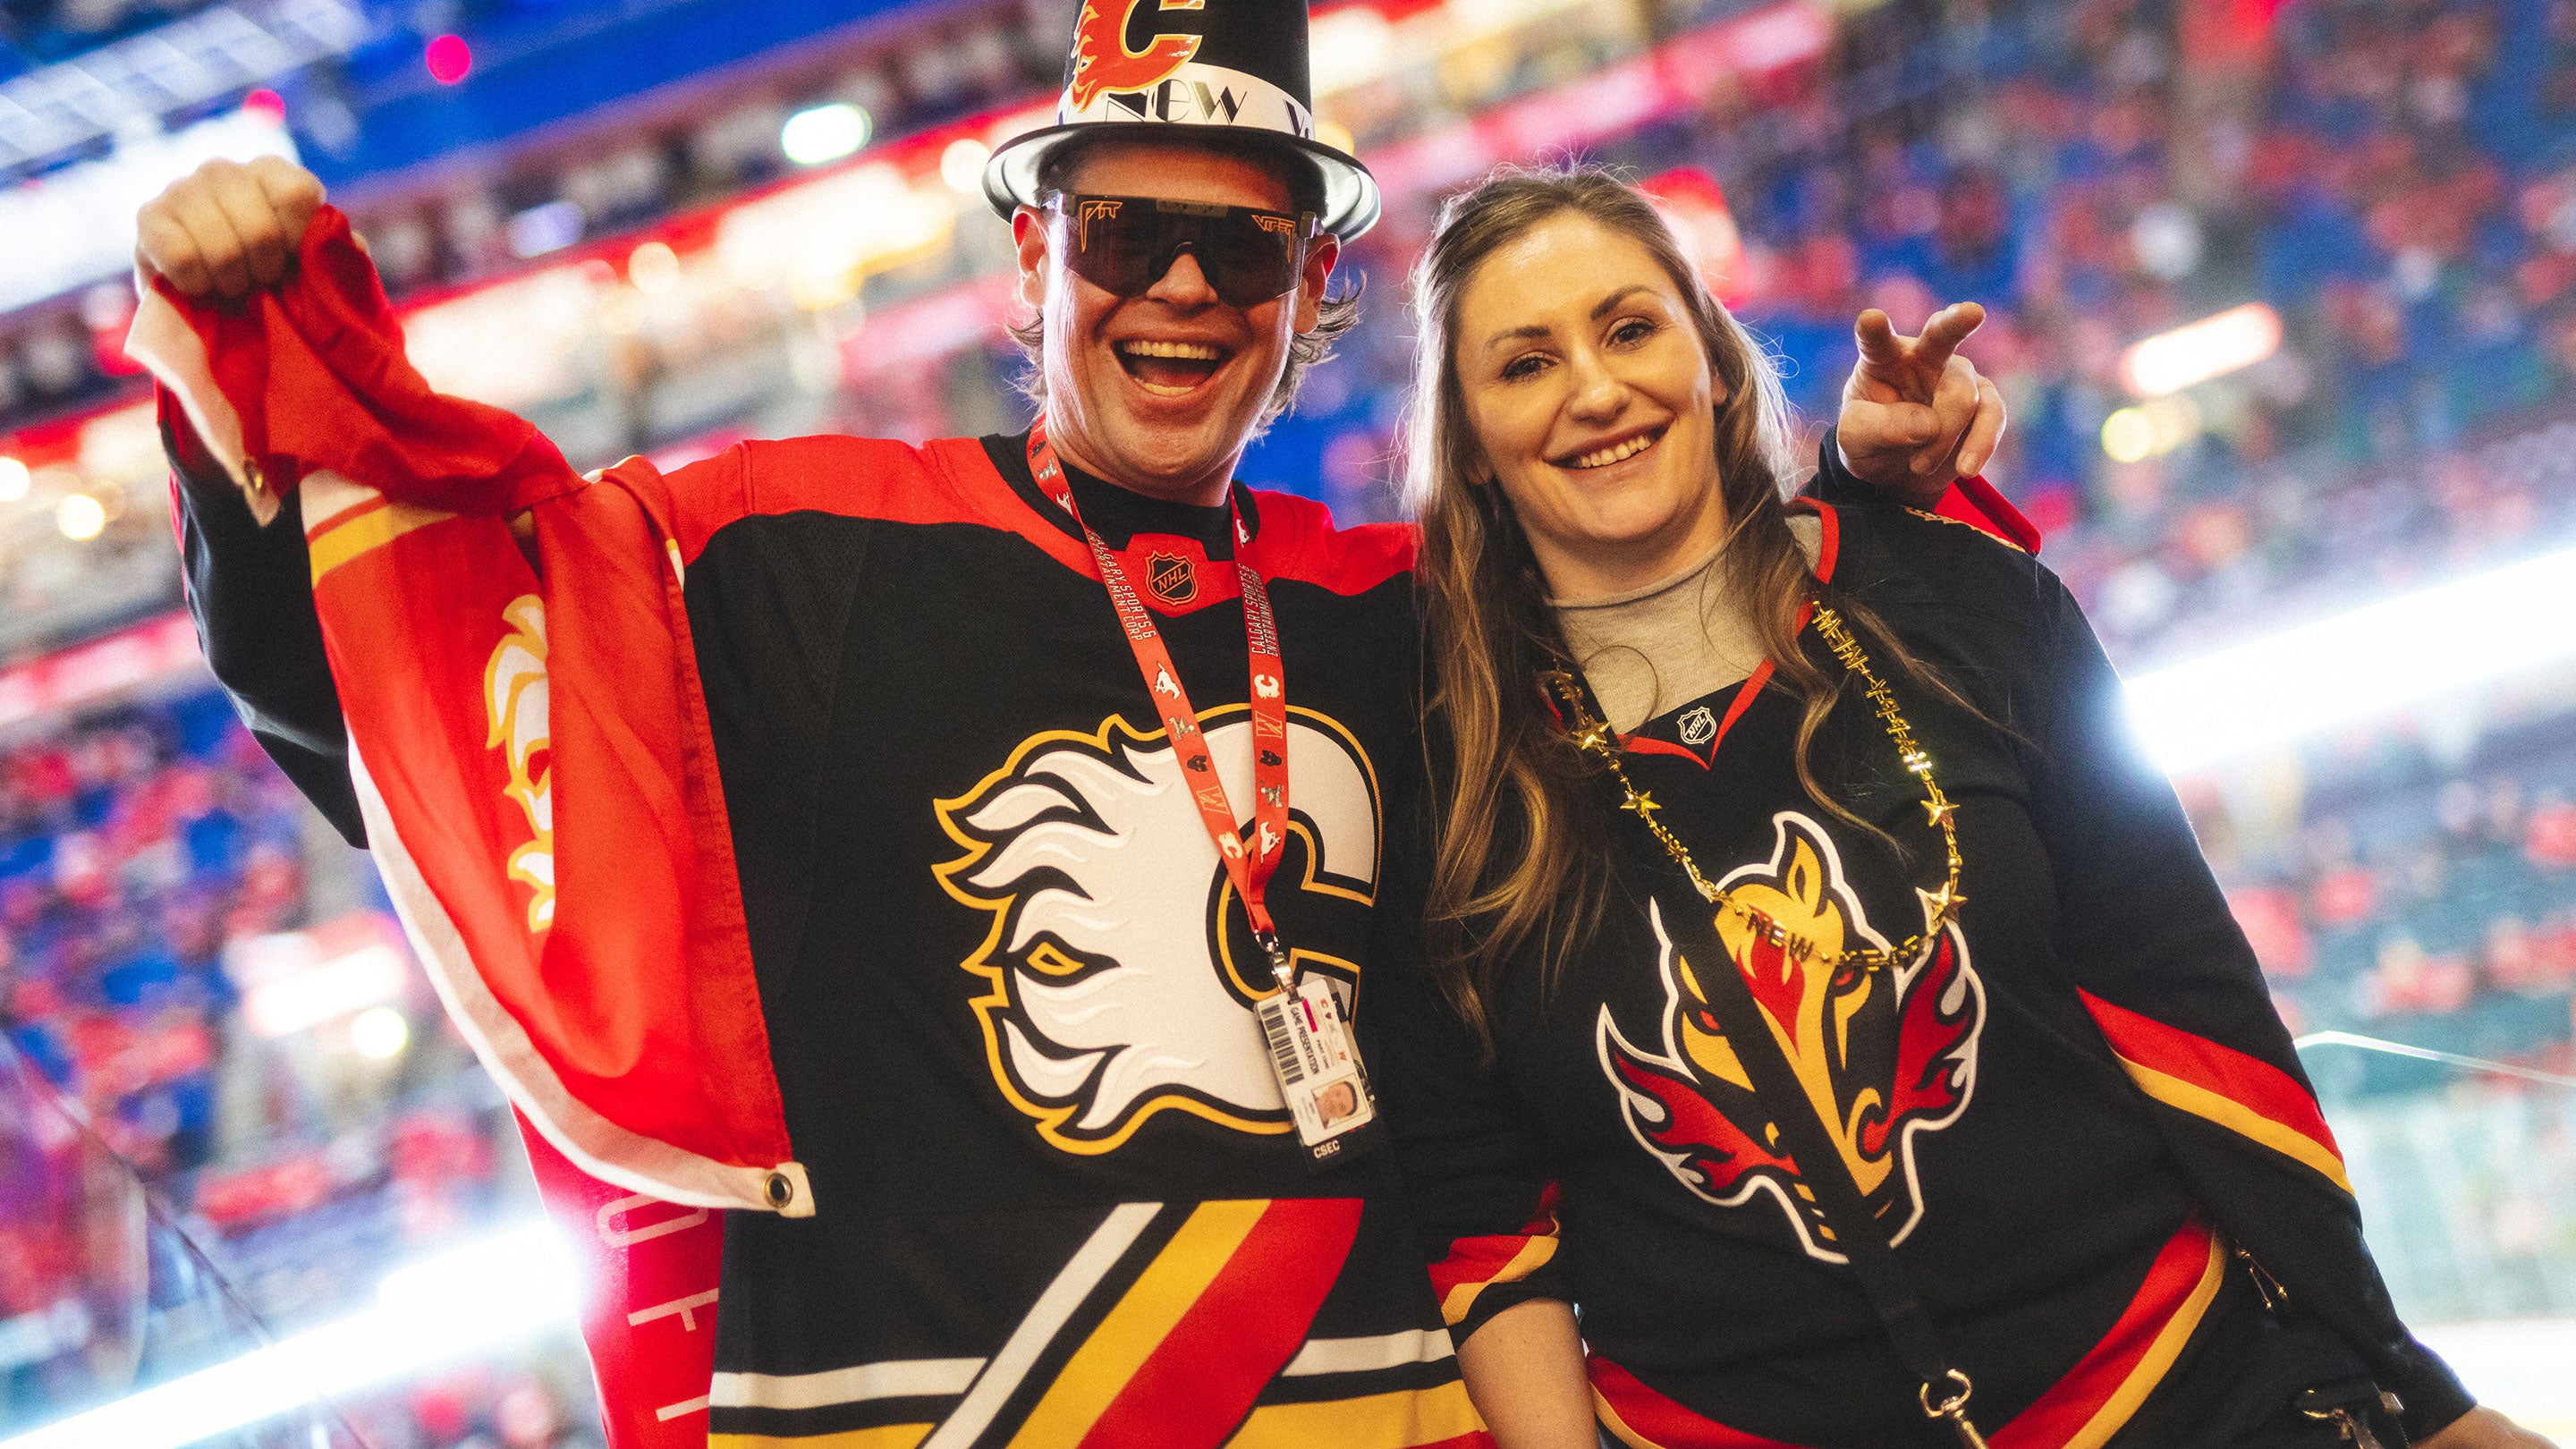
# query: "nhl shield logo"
1698, 727
1171, 578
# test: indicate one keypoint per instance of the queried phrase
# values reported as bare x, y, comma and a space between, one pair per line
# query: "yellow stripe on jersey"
1609, 1419
1399, 1420
886, 1436
2150, 1371
1140, 1323
1533, 1254
367, 532
2235, 1116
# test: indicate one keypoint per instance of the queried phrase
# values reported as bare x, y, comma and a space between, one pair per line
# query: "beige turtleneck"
1659, 647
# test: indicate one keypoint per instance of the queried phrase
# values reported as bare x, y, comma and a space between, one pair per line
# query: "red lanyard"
1163, 683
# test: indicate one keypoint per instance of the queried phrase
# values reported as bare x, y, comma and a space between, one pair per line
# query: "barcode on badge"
1285, 1059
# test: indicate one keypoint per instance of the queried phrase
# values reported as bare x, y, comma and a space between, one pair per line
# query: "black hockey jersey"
2068, 1115
1004, 980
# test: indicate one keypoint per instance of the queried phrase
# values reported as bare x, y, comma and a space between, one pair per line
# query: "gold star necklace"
1595, 738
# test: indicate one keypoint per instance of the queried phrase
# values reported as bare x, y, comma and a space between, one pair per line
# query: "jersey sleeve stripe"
1640, 1418
1437, 1418
2096, 1398
884, 1436
2246, 1095
1477, 1263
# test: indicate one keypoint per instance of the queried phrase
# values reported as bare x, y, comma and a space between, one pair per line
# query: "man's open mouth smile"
1171, 369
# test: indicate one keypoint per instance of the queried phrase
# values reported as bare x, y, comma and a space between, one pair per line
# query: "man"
1055, 907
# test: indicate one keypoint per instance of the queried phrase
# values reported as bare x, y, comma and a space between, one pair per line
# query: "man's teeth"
1186, 351
1604, 457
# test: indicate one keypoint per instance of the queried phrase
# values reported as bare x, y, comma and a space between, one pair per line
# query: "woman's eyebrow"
1601, 309
1617, 297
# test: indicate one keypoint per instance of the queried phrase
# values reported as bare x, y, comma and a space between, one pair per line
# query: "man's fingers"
1978, 448
254, 222
1885, 427
1878, 341
1948, 328
293, 192
217, 246
164, 247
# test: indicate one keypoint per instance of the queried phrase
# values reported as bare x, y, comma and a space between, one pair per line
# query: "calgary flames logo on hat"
1885, 1056
1102, 61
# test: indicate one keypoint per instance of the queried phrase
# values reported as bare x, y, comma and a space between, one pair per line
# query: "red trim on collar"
1829, 550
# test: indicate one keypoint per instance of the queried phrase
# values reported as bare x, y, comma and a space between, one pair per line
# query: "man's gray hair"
1336, 315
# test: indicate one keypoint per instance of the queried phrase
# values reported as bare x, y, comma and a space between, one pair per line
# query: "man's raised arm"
226, 230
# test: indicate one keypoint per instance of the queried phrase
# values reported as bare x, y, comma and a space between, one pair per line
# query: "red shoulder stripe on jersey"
1475, 1264
2098, 1396
947, 480
1640, 1418
1974, 502
1299, 544
1190, 1388
2244, 1094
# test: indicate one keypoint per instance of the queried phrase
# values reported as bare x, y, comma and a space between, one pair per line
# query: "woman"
1989, 1125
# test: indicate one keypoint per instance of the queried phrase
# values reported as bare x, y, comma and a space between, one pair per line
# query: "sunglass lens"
1125, 246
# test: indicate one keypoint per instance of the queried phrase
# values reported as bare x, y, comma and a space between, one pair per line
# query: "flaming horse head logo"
1882, 1056
1102, 61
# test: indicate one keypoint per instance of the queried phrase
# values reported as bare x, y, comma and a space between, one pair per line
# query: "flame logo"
1115, 991
1882, 1056
1102, 61
515, 695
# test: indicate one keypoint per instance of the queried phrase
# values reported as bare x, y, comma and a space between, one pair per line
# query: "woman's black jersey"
2068, 1115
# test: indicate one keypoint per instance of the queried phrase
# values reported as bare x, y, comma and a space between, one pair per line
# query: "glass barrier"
123, 1325
2466, 1171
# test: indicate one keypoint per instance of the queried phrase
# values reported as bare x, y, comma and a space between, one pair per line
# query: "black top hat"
1234, 69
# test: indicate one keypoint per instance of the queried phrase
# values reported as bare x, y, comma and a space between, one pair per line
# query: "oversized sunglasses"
1125, 244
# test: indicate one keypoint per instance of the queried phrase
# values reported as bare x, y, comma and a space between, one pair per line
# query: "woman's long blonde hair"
1520, 849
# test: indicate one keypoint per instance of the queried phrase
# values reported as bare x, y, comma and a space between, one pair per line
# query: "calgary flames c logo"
1119, 985
1102, 61
1884, 1056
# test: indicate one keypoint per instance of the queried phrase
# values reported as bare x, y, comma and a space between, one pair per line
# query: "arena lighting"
823, 133
962, 164
653, 267
448, 58
306, 996
80, 517
380, 1033
2151, 429
2211, 347
472, 1298
2347, 668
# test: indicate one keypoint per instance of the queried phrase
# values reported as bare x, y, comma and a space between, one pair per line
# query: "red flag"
530, 749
